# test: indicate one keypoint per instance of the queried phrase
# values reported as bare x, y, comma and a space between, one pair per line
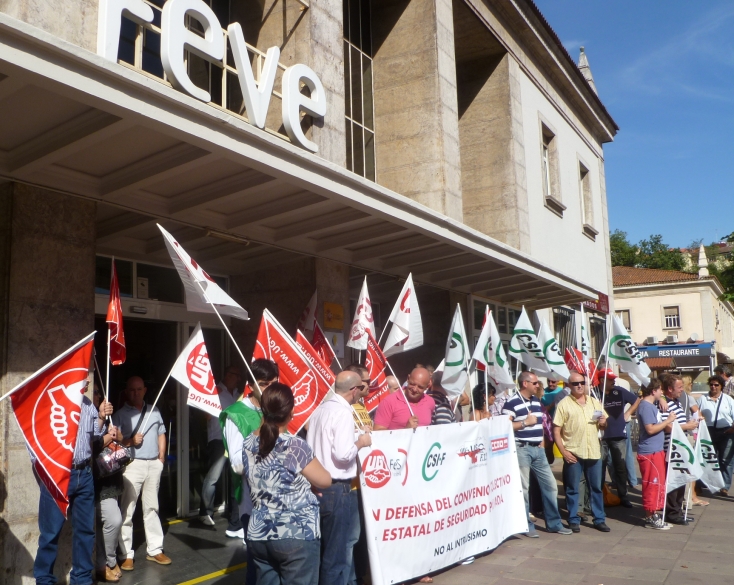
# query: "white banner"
437, 495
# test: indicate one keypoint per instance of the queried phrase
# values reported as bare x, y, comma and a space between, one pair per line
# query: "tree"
623, 253
653, 253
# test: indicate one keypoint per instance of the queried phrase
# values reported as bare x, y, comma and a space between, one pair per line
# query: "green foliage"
623, 253
653, 253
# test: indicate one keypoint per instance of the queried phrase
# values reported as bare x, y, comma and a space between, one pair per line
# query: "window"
672, 317
597, 335
564, 325
358, 103
624, 316
549, 171
587, 204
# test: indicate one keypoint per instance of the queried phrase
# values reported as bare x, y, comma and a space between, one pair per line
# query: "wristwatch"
522, 425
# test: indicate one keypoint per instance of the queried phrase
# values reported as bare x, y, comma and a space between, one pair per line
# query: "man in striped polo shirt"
526, 415
672, 389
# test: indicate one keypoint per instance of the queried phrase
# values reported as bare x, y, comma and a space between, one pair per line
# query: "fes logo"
473, 452
199, 371
434, 460
305, 393
375, 469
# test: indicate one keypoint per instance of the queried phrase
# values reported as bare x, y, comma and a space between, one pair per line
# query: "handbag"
116, 456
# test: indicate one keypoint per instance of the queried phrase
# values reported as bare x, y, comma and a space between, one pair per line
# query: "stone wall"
46, 305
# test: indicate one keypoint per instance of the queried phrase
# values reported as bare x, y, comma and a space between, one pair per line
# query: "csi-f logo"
433, 461
623, 348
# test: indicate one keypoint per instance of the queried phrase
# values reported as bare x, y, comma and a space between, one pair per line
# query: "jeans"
339, 533
218, 462
630, 458
250, 572
616, 450
591, 470
724, 446
531, 457
50, 523
109, 522
288, 561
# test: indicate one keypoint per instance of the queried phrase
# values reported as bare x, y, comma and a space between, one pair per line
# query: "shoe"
236, 533
602, 527
206, 519
625, 502
532, 533
116, 570
562, 530
680, 521
468, 561
575, 528
583, 517
656, 523
532, 517
724, 492
700, 503
160, 558
127, 565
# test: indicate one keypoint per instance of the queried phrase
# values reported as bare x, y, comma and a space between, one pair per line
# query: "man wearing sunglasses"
526, 414
576, 425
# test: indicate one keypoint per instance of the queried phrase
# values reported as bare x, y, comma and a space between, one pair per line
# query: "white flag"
491, 354
456, 369
407, 330
525, 346
197, 282
623, 351
552, 351
362, 321
193, 370
682, 466
708, 461
307, 322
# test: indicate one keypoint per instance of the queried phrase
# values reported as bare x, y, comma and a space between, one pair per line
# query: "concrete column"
46, 305
494, 184
311, 36
332, 284
416, 119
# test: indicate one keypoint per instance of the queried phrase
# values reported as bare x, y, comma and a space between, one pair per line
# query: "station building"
456, 140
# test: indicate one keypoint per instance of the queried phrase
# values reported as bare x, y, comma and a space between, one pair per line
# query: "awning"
73, 122
661, 363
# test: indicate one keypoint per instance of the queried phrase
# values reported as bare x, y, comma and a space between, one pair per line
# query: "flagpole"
486, 367
107, 368
147, 416
606, 368
667, 477
401, 389
688, 501
237, 347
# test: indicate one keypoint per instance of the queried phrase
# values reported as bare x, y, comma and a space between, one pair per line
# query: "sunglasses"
715, 385
577, 383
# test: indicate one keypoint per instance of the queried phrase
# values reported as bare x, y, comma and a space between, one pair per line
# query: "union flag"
117, 349
376, 365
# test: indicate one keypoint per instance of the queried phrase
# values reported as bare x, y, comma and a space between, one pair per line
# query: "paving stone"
642, 560
591, 553
624, 549
639, 573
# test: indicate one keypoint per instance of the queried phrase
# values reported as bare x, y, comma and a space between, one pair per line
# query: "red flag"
322, 345
575, 361
376, 365
47, 406
315, 360
273, 343
114, 322
307, 322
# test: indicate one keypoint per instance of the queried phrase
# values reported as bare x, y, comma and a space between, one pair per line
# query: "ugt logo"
375, 469
433, 461
199, 371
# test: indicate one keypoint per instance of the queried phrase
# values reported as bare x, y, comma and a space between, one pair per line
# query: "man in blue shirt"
526, 414
614, 444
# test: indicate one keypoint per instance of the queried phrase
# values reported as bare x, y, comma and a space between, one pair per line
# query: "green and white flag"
552, 351
707, 459
490, 353
623, 352
456, 368
525, 346
682, 465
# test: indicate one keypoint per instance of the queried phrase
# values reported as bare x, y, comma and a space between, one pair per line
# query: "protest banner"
437, 495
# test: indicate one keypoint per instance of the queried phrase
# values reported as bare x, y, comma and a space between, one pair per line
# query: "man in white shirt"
217, 459
331, 435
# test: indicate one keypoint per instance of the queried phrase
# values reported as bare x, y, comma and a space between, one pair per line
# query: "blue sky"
665, 72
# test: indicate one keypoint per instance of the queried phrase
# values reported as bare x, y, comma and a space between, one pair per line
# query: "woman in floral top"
283, 533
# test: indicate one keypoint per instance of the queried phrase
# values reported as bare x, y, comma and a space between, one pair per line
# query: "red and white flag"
47, 406
194, 371
363, 320
201, 290
376, 365
114, 322
407, 330
322, 346
273, 343
575, 361
322, 369
307, 323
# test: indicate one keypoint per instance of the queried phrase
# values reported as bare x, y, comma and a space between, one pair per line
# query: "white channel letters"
176, 38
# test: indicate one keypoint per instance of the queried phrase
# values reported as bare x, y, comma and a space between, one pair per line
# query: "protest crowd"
295, 473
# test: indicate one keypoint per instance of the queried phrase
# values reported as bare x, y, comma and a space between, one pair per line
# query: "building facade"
289, 148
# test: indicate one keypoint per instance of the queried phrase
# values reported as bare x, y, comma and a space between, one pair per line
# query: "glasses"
714, 385
577, 383
356, 387
365, 382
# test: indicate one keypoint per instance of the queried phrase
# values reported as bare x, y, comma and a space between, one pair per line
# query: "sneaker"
207, 520
625, 502
602, 527
532, 517
468, 561
532, 533
575, 528
235, 533
562, 530
656, 523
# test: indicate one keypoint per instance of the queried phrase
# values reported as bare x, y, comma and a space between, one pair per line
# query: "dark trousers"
339, 533
50, 523
217, 463
617, 450
674, 503
286, 561
250, 573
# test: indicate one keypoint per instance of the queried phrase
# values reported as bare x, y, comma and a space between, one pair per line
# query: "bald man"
395, 413
392, 384
144, 472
